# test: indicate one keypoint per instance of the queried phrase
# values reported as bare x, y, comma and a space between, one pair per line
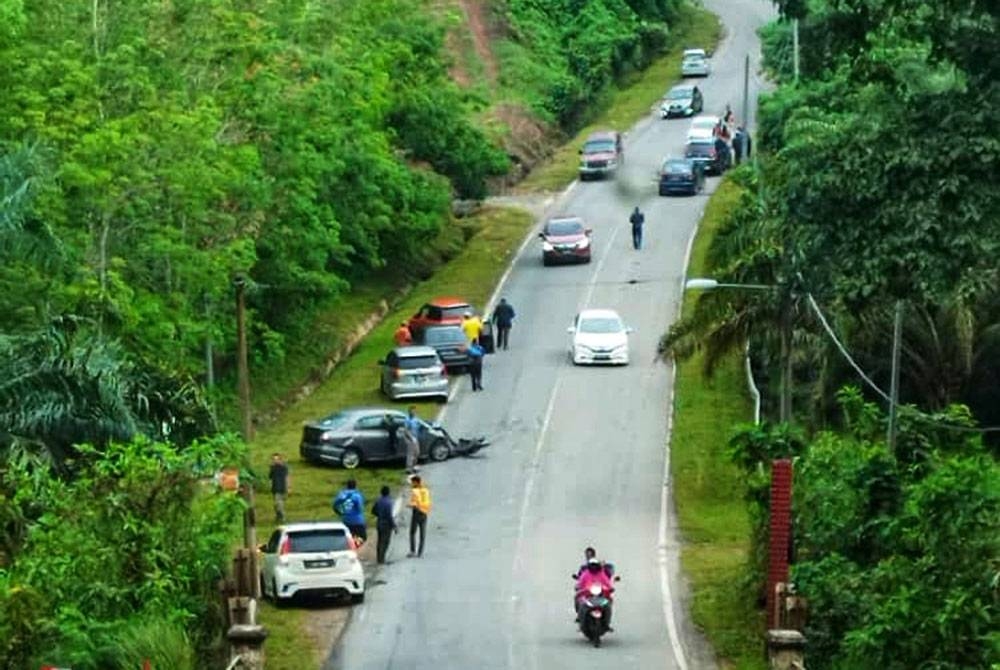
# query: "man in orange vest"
420, 504
403, 336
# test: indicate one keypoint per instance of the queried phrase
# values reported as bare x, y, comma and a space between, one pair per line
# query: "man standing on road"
637, 219
385, 523
278, 474
476, 354
349, 504
503, 319
403, 336
420, 504
472, 326
411, 435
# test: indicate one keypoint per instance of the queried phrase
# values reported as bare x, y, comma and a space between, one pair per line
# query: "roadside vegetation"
707, 485
149, 154
896, 542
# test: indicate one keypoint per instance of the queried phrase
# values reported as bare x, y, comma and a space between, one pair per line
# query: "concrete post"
785, 650
247, 642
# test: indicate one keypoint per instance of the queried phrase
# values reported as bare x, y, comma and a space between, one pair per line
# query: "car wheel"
357, 598
439, 451
546, 262
351, 459
278, 602
587, 259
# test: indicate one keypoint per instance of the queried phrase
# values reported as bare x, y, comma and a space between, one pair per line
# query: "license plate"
419, 379
324, 563
602, 357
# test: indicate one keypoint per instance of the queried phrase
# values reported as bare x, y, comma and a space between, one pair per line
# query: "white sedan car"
702, 127
598, 336
315, 557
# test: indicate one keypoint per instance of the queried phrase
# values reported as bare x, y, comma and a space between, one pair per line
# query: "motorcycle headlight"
546, 246
595, 589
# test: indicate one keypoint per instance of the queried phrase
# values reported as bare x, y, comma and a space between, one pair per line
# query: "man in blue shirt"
412, 427
385, 523
349, 504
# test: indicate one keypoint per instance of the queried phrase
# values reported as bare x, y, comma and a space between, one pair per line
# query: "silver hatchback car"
414, 372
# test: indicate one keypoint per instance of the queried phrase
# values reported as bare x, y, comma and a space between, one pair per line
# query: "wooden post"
242, 365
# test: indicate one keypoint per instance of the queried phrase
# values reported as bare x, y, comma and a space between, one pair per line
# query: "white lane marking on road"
600, 265
662, 558
518, 565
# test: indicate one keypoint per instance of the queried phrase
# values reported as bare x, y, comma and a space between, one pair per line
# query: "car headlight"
547, 246
326, 436
583, 244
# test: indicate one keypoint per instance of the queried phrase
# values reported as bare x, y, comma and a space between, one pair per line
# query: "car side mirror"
580, 151
589, 231
571, 329
541, 236
262, 548
629, 329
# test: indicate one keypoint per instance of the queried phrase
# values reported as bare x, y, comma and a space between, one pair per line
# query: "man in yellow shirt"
473, 326
420, 504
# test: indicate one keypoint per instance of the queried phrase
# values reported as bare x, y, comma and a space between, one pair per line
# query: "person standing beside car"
403, 337
412, 426
349, 504
476, 353
503, 319
278, 474
472, 326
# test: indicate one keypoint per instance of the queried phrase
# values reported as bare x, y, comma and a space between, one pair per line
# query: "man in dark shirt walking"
278, 474
476, 354
637, 219
385, 523
503, 319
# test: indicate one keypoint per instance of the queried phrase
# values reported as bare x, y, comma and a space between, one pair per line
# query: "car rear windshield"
456, 311
443, 335
600, 325
317, 541
416, 362
680, 93
561, 228
599, 146
700, 149
676, 167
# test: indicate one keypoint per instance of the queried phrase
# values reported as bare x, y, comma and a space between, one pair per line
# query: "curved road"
578, 454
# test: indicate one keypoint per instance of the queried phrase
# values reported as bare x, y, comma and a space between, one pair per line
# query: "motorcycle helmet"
593, 565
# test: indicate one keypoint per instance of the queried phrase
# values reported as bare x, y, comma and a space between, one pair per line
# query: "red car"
565, 239
439, 312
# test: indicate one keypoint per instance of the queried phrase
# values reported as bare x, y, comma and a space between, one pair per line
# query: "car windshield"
676, 167
600, 324
416, 362
694, 58
563, 228
443, 335
599, 146
317, 541
680, 93
335, 420
699, 149
703, 124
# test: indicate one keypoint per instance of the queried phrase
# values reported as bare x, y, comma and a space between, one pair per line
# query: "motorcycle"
593, 608
443, 445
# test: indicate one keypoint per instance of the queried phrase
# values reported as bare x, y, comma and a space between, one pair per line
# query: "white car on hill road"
598, 336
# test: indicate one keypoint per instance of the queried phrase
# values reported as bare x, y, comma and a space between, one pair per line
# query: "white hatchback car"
702, 127
315, 557
598, 336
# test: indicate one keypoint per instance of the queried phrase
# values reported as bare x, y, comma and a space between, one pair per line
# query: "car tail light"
351, 544
286, 547
443, 370
397, 373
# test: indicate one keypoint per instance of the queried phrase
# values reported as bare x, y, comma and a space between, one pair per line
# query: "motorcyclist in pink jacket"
594, 574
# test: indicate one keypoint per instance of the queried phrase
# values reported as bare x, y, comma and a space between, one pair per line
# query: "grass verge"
708, 487
631, 100
472, 274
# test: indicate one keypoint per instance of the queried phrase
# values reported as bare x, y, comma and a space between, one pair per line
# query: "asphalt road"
578, 455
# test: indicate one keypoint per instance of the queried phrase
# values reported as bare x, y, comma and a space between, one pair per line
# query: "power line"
920, 416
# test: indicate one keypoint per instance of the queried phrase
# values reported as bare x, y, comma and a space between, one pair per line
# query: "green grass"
708, 487
472, 274
632, 100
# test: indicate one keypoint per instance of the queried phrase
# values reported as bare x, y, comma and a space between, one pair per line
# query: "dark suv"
450, 342
711, 152
602, 154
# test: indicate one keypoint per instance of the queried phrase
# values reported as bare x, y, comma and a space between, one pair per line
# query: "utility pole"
897, 336
242, 367
745, 137
785, 410
795, 49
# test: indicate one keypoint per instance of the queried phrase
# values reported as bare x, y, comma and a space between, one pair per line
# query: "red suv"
439, 312
602, 154
565, 239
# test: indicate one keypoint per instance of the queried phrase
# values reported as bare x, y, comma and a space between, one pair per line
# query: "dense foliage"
117, 564
897, 552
